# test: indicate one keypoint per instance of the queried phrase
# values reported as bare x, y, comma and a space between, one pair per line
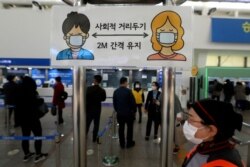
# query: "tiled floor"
144, 154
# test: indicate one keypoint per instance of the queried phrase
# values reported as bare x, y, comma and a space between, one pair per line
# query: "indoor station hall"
124, 83
143, 154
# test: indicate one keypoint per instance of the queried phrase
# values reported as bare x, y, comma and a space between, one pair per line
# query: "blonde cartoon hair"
159, 20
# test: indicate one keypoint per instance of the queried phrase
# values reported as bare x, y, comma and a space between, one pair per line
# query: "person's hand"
157, 102
179, 117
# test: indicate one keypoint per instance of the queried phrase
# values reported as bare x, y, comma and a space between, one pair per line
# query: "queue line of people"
22, 99
205, 125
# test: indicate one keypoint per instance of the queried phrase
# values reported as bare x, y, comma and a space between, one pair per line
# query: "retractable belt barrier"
51, 137
110, 159
11, 136
106, 128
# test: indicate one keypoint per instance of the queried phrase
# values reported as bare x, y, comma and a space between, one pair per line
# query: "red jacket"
58, 89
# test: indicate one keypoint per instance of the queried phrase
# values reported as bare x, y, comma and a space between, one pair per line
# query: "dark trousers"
36, 129
228, 99
129, 121
60, 117
96, 117
155, 117
138, 106
12, 110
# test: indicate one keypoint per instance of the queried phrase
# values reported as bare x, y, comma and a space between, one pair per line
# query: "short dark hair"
75, 19
123, 80
58, 79
98, 78
137, 82
10, 77
156, 84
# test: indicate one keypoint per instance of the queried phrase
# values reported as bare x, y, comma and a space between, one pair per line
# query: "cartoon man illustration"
75, 29
167, 34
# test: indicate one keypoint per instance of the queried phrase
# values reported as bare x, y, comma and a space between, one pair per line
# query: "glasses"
190, 120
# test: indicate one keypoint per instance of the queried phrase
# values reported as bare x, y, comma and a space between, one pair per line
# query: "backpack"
43, 108
63, 95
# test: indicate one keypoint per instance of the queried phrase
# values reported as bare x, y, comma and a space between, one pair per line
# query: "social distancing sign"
121, 36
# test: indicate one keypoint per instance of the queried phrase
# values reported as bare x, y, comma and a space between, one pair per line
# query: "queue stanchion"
58, 150
115, 125
110, 159
58, 141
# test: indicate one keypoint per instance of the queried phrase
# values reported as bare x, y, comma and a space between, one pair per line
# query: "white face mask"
154, 88
76, 40
137, 86
189, 132
166, 37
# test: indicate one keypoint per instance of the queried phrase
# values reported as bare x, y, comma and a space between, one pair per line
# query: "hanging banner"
239, 31
121, 36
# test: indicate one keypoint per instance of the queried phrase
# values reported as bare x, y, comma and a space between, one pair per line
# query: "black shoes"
129, 145
40, 157
27, 157
147, 138
96, 140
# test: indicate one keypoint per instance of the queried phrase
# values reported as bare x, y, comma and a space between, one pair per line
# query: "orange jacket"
217, 161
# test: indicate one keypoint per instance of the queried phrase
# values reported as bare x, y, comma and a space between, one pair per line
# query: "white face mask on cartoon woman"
166, 37
189, 132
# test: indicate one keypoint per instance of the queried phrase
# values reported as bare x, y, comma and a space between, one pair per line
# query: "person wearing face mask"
139, 98
153, 110
211, 125
75, 29
167, 33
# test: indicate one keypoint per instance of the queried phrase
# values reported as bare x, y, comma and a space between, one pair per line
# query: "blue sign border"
24, 62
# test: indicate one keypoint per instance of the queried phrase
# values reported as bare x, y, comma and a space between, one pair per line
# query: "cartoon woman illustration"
75, 29
167, 34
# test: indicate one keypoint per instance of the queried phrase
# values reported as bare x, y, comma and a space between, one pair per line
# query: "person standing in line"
139, 98
94, 97
153, 110
57, 100
9, 90
27, 114
228, 89
240, 96
125, 106
216, 90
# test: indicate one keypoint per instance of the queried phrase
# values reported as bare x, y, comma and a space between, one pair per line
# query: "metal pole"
79, 117
114, 135
167, 117
58, 151
192, 89
248, 153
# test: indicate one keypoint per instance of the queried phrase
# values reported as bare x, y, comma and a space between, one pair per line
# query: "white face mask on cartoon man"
166, 37
190, 131
77, 40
